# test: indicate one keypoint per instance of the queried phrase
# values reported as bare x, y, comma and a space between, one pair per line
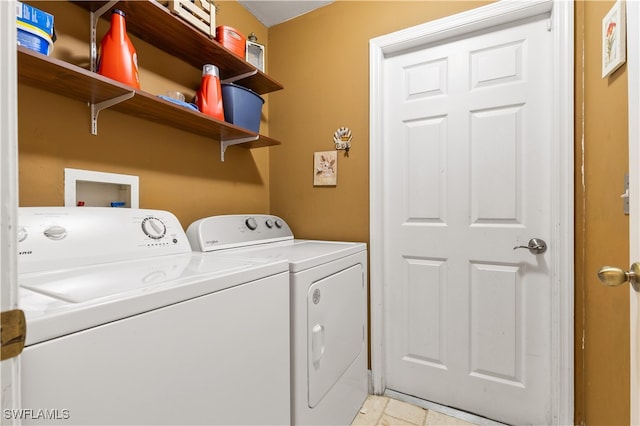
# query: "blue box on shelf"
35, 28
32, 16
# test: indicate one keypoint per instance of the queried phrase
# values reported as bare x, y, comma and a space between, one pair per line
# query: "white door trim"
633, 68
10, 368
562, 179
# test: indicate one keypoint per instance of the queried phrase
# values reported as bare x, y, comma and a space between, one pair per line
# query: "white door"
467, 169
8, 194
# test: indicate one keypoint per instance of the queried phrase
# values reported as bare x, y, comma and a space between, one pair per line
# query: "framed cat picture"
325, 168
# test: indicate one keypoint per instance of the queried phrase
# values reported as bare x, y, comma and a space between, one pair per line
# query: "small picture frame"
325, 168
614, 37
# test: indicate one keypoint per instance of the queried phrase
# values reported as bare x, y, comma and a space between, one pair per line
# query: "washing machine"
328, 285
126, 325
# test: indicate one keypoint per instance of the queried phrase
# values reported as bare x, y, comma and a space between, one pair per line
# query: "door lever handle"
535, 246
613, 277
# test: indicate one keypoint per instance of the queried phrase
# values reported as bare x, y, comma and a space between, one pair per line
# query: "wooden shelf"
56, 76
155, 24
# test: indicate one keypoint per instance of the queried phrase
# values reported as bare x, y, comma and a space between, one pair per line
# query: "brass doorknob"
613, 277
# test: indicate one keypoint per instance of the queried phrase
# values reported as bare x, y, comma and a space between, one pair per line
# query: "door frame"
10, 369
562, 179
633, 68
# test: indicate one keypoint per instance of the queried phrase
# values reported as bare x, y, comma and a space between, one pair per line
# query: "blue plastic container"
34, 38
242, 106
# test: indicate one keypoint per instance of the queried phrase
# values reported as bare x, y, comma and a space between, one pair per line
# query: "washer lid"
66, 301
79, 285
301, 254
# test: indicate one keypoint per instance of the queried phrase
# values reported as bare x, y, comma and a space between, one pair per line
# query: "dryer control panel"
59, 237
229, 231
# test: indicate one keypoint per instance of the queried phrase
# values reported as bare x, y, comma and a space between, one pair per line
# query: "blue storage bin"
242, 106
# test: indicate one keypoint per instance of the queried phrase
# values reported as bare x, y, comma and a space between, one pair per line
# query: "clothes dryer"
126, 325
328, 285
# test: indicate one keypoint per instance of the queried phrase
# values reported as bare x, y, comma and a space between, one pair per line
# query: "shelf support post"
96, 108
225, 144
94, 16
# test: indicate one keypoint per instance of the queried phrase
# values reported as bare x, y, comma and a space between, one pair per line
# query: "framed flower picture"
325, 168
614, 37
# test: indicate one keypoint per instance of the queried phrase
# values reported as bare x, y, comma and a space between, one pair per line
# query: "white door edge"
9, 375
562, 357
633, 68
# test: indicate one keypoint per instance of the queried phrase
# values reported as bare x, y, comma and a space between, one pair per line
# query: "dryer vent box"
99, 189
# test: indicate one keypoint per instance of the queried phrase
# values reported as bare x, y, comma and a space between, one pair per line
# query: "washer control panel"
58, 237
229, 231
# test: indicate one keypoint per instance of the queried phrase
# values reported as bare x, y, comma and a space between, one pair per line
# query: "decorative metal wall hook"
342, 139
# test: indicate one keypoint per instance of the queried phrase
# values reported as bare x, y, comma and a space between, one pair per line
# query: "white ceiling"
271, 13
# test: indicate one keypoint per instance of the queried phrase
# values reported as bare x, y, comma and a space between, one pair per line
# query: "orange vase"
118, 58
209, 96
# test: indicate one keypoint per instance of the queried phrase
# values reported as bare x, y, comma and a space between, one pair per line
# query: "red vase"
117, 58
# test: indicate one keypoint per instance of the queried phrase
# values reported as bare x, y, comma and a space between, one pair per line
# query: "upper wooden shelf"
56, 76
155, 24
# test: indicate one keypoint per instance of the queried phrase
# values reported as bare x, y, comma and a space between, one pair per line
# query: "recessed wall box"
100, 189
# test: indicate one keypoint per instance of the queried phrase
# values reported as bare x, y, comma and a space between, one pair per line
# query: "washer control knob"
154, 228
22, 234
278, 223
55, 232
251, 223
269, 223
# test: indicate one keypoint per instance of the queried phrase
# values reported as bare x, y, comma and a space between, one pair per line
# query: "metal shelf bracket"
225, 144
94, 16
96, 108
240, 77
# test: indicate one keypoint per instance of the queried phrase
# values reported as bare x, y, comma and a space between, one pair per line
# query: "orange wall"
602, 314
178, 171
322, 59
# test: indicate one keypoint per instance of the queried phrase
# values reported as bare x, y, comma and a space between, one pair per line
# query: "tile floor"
385, 411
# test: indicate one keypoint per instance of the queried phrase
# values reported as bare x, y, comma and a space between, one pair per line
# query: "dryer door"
336, 318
